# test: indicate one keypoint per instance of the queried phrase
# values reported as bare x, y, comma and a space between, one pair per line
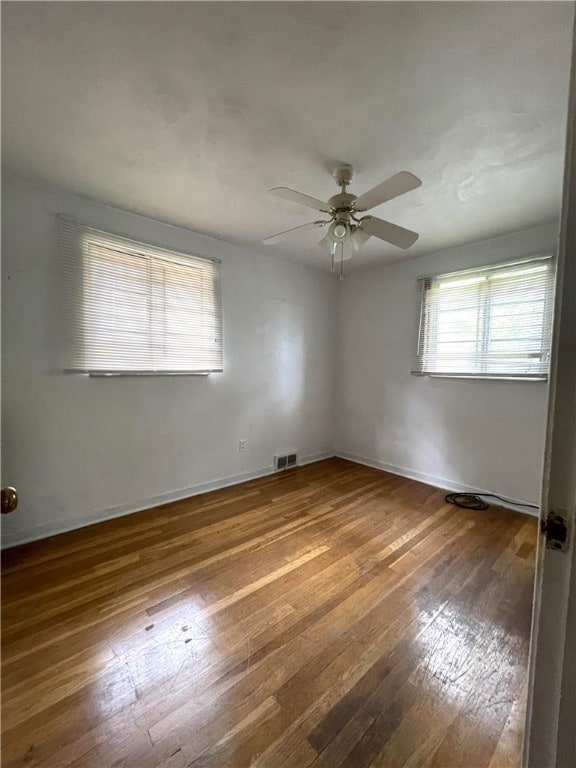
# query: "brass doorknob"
9, 500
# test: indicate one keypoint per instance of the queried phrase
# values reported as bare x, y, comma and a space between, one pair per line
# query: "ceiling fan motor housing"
342, 202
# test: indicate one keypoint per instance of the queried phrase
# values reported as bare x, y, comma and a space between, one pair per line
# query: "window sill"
479, 377
140, 374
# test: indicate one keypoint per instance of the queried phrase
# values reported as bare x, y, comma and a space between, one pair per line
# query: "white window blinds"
137, 309
493, 322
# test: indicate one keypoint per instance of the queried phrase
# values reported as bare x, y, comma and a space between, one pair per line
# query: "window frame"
425, 324
75, 240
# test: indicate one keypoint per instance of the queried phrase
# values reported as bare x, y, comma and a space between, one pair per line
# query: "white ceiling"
189, 112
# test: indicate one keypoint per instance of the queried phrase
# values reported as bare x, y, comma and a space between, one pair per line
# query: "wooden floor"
333, 615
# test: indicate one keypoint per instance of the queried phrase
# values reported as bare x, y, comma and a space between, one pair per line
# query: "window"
493, 322
137, 309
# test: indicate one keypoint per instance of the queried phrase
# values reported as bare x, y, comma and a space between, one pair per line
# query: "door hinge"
555, 528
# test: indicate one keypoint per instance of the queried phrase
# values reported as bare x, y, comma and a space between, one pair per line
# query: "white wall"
80, 448
483, 435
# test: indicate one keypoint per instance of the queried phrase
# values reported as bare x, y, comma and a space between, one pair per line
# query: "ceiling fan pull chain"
341, 261
333, 252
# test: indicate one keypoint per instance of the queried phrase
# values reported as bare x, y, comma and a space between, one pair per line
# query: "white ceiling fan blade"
393, 187
391, 233
280, 235
298, 197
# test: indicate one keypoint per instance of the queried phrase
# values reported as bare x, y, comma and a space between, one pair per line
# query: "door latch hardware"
555, 528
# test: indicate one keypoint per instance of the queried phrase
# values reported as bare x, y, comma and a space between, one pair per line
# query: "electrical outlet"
242, 446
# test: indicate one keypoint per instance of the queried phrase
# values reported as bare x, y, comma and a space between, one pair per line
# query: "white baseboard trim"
53, 528
314, 457
436, 482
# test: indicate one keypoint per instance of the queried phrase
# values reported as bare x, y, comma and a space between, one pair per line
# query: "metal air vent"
285, 461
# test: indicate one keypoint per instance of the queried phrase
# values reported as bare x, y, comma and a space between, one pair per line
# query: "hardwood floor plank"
317, 617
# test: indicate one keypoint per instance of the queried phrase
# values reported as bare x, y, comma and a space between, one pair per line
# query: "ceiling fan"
346, 232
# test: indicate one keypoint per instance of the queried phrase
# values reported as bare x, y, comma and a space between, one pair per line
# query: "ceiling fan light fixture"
338, 231
359, 237
326, 243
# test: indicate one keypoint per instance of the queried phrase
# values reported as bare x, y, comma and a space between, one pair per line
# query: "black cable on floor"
511, 501
473, 501
466, 500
